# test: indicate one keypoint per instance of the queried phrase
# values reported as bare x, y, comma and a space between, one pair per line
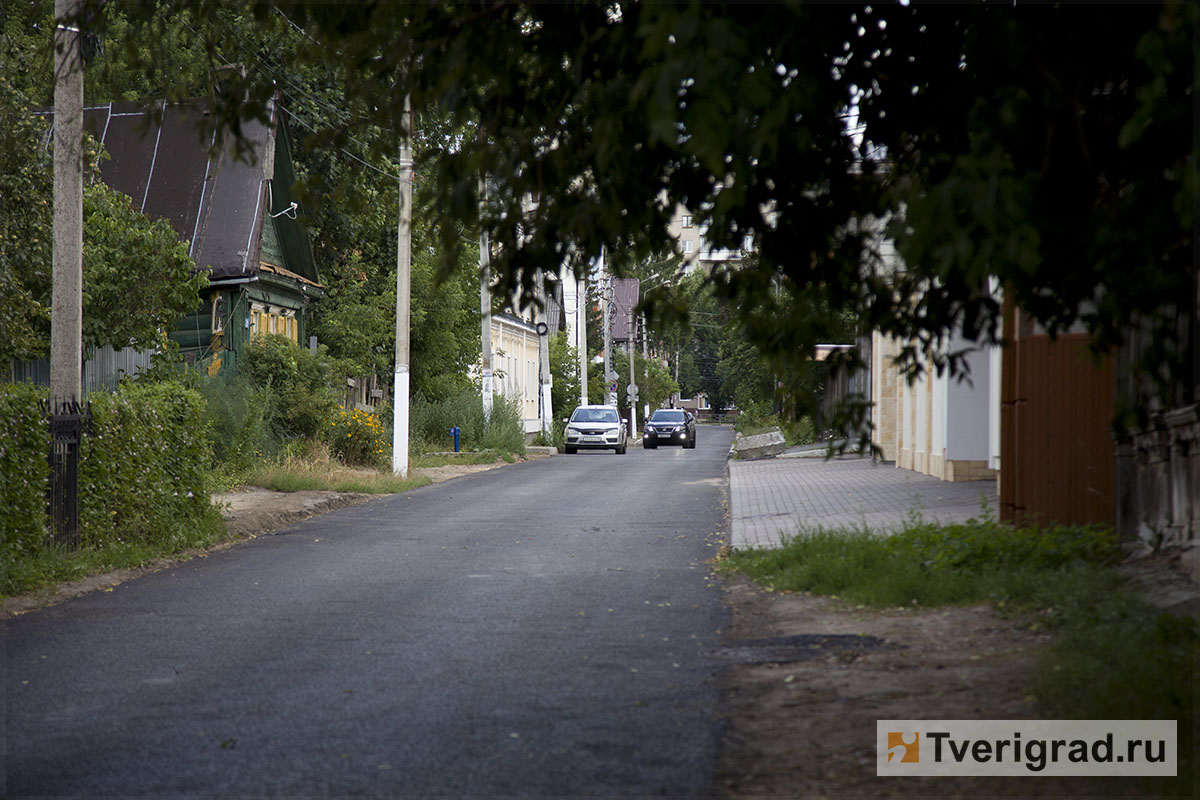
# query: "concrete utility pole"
66, 312
645, 364
545, 379
632, 389
403, 291
546, 382
581, 338
485, 306
609, 390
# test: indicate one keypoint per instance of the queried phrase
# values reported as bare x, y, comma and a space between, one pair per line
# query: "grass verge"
53, 564
1114, 656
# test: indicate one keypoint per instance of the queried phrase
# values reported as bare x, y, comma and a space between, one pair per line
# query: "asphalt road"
550, 628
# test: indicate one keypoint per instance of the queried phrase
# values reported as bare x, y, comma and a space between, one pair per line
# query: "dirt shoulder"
809, 678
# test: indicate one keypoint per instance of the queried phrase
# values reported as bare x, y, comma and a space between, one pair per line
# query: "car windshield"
595, 415
667, 416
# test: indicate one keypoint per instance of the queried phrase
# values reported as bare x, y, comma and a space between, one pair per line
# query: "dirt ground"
805, 678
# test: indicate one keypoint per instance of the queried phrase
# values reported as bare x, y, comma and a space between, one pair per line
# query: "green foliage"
237, 415
564, 368
301, 385
137, 276
142, 473
25, 230
23, 472
430, 422
928, 564
655, 385
987, 543
1050, 149
1116, 657
142, 484
755, 417
359, 438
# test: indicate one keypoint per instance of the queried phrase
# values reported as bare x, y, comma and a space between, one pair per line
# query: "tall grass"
313, 467
430, 423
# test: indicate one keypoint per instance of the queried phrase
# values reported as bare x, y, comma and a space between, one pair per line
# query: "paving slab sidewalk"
776, 497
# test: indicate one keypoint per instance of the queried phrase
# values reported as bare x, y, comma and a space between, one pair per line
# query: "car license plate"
664, 436
593, 438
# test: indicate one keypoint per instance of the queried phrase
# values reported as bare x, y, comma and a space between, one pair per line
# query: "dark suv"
670, 426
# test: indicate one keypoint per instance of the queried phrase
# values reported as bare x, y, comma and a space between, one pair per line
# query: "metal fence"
103, 368
68, 423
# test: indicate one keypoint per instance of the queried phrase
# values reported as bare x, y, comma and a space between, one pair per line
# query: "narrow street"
550, 628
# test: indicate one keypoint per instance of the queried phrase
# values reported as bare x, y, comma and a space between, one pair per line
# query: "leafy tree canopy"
137, 276
1047, 147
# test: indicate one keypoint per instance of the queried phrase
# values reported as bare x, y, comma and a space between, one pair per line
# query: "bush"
302, 385
142, 474
359, 438
237, 416
755, 418
23, 470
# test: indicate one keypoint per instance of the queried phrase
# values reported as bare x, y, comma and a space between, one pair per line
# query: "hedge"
142, 469
24, 470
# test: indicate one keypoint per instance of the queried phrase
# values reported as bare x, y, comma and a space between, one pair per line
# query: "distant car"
670, 426
596, 428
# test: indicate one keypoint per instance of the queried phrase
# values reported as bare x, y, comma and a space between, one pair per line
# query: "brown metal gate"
1057, 458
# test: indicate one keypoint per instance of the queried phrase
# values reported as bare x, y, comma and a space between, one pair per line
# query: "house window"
688, 245
685, 221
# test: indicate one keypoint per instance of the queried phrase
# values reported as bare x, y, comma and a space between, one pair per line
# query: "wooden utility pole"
403, 281
66, 312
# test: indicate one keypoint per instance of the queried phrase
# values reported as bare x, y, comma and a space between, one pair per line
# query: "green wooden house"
237, 215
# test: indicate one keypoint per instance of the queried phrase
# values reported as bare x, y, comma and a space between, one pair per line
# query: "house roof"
213, 200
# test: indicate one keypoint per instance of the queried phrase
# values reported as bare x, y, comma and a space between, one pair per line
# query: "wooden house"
237, 214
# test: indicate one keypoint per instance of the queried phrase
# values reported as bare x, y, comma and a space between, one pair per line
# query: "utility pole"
632, 389
610, 389
403, 291
645, 363
581, 338
485, 303
546, 381
66, 312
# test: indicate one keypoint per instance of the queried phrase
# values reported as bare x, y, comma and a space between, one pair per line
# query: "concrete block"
760, 445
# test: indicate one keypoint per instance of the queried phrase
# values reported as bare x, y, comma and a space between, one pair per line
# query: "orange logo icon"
909, 750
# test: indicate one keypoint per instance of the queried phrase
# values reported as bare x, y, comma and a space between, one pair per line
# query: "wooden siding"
1058, 458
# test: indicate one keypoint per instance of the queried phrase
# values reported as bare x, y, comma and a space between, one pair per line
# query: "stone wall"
1158, 477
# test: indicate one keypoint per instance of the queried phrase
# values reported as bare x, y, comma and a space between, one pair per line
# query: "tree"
564, 366
1046, 148
138, 279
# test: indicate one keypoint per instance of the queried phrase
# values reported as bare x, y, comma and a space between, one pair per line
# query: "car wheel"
692, 444
621, 449
569, 450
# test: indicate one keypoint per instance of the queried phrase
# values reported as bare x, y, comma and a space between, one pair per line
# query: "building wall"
885, 412
515, 366
936, 425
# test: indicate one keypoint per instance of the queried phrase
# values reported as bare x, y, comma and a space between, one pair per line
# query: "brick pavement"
774, 497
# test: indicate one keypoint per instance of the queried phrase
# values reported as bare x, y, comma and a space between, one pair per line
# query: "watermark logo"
1026, 747
905, 748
